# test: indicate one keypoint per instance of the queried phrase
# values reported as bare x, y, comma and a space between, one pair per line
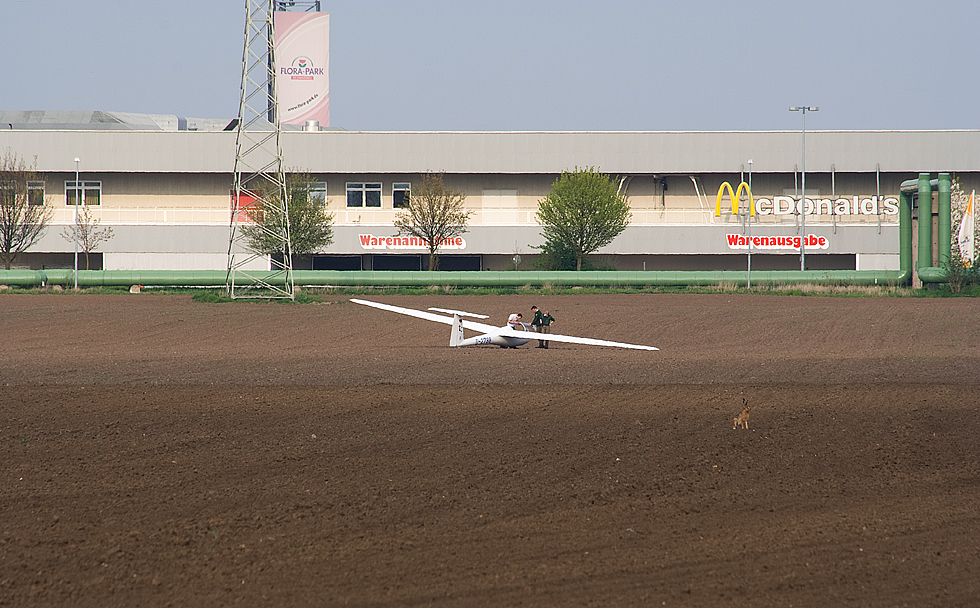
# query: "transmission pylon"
260, 204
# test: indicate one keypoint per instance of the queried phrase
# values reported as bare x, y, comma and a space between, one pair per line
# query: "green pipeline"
336, 278
924, 187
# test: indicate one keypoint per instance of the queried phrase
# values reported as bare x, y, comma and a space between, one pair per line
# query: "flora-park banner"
302, 64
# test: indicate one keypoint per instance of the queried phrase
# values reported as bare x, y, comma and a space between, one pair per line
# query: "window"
318, 192
363, 195
35, 193
90, 192
400, 193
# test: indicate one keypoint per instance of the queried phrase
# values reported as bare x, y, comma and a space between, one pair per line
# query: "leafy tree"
23, 217
583, 212
960, 273
556, 256
434, 214
90, 235
310, 224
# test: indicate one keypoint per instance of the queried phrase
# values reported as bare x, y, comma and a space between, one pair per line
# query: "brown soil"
158, 451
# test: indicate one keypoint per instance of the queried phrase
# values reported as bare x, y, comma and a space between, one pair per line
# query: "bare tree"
90, 235
23, 215
434, 214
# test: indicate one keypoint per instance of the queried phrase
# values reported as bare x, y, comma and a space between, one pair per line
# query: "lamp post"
748, 270
78, 201
804, 110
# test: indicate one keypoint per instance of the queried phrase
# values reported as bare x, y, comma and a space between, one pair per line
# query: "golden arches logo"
734, 195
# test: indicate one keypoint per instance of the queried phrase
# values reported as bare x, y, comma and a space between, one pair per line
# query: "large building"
163, 184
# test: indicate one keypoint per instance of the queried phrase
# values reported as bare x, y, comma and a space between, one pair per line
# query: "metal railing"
211, 216
219, 216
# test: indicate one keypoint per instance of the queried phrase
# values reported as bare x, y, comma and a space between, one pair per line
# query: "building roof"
98, 120
159, 148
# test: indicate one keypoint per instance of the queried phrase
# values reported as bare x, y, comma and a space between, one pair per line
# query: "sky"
573, 65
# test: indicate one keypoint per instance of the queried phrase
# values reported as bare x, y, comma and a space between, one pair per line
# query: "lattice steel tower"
260, 205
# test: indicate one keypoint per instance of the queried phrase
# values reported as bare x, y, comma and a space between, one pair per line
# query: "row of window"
365, 194
359, 194
90, 193
368, 194
35, 191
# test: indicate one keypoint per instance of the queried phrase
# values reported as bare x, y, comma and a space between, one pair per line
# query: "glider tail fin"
457, 331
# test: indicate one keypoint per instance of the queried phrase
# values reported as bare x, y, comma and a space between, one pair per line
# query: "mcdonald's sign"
734, 195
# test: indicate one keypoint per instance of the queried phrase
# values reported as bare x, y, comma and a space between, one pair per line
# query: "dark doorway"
459, 262
337, 262
397, 262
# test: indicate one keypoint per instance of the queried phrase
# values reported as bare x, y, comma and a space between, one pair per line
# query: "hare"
742, 418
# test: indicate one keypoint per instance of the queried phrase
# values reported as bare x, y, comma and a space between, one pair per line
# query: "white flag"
966, 233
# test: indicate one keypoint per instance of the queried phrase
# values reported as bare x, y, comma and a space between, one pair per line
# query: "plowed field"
161, 452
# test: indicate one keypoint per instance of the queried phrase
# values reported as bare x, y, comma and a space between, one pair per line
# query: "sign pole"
78, 201
748, 270
804, 110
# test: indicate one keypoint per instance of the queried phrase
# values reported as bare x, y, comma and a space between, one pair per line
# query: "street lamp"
78, 201
804, 110
748, 270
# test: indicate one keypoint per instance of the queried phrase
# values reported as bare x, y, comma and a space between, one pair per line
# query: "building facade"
163, 184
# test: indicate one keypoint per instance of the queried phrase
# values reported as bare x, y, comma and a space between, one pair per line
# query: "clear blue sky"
524, 65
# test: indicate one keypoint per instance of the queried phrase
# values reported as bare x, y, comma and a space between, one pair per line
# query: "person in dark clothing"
537, 323
546, 322
542, 323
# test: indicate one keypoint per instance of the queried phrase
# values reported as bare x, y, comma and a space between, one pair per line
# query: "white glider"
504, 337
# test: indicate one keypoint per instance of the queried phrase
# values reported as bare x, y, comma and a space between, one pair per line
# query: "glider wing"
428, 316
573, 339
